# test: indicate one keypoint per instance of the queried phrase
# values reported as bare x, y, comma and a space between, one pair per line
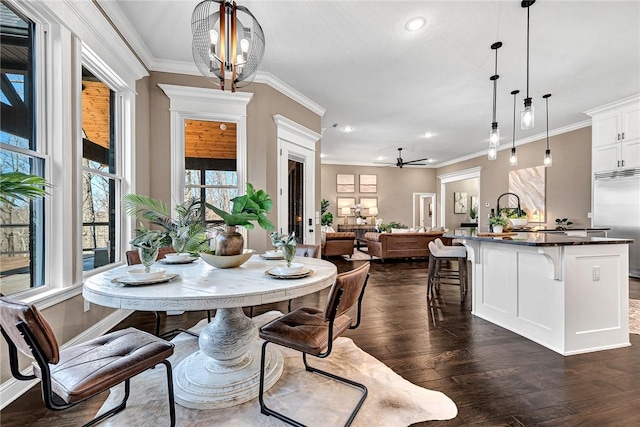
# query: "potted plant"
185, 233
326, 217
473, 213
498, 223
563, 224
148, 242
286, 243
253, 206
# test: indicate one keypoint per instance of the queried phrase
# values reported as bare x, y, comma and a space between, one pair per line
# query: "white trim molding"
187, 102
297, 134
453, 177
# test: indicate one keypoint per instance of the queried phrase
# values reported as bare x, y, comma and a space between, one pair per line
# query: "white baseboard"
12, 389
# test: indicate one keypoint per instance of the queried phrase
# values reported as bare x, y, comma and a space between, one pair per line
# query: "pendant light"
228, 42
526, 115
494, 134
547, 154
513, 159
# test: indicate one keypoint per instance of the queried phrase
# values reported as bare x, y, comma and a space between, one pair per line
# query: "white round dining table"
225, 370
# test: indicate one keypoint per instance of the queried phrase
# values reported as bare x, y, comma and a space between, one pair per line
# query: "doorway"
424, 210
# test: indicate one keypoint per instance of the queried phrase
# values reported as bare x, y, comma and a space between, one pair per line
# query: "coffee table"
225, 371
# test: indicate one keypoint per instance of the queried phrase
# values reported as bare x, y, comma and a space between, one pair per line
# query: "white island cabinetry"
567, 293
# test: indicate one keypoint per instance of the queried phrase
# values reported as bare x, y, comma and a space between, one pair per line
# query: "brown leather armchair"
338, 243
79, 372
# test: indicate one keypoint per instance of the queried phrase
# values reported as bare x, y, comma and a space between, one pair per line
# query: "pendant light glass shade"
527, 117
513, 159
494, 134
492, 153
548, 161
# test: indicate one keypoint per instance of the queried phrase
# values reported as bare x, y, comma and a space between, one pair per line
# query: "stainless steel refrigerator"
616, 204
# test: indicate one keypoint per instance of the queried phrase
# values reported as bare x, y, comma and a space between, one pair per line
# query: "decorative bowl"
518, 222
227, 261
295, 268
175, 257
139, 273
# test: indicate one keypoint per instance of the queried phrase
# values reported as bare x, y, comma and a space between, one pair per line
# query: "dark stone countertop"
542, 239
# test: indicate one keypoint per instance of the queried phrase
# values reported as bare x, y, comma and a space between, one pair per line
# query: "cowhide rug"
309, 398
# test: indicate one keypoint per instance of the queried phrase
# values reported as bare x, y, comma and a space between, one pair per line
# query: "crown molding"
533, 138
615, 104
285, 89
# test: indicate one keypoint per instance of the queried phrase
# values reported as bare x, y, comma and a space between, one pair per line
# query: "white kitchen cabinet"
616, 135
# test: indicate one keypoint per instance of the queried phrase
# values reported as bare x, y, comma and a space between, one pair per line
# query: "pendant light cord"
514, 119
547, 108
528, 7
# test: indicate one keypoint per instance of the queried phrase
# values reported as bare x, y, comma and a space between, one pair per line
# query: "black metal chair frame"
53, 401
332, 314
175, 331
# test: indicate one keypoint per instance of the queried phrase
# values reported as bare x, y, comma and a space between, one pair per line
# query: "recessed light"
414, 24
429, 134
347, 129
322, 155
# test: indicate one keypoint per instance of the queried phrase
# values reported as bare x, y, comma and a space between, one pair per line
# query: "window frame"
69, 35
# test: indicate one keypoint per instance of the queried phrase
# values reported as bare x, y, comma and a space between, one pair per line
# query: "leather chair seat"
91, 367
304, 330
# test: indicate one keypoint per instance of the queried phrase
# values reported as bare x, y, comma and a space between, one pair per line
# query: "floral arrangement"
357, 209
378, 224
280, 239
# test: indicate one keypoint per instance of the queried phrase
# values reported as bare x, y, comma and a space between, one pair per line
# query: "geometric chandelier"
224, 46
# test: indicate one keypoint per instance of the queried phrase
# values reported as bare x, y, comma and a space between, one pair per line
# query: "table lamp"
373, 211
346, 211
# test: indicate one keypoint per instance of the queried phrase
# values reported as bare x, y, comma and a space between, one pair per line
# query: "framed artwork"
346, 183
529, 184
368, 183
474, 202
369, 202
345, 202
459, 202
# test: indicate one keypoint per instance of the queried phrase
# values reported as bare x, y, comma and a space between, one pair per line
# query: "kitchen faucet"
519, 211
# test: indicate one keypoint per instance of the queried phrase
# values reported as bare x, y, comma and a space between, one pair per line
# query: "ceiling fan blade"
417, 160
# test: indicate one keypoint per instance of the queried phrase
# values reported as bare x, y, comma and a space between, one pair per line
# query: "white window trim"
69, 33
195, 103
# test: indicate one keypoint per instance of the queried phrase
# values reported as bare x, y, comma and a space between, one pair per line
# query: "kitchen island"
568, 293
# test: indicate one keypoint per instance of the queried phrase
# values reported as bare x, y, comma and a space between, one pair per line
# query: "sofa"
401, 245
338, 243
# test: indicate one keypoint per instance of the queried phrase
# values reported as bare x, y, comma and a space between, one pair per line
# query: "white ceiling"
356, 60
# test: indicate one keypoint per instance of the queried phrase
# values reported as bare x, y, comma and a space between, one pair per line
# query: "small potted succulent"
498, 223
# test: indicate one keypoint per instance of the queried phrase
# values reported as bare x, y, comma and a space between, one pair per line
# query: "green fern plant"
18, 186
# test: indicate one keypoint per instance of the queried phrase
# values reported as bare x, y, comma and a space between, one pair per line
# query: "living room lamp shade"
513, 159
548, 161
527, 118
494, 133
373, 211
228, 42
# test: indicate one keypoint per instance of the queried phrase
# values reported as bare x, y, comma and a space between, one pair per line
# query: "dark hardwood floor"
496, 377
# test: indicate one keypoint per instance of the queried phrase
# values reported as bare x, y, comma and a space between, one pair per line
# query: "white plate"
128, 280
272, 272
178, 257
139, 273
274, 255
295, 268
170, 261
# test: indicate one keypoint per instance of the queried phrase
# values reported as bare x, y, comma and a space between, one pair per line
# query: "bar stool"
438, 253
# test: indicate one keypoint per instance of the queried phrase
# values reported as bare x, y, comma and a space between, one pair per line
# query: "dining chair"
312, 331
133, 258
77, 373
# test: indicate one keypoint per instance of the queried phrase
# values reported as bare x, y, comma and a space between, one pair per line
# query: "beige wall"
261, 140
469, 186
568, 180
395, 189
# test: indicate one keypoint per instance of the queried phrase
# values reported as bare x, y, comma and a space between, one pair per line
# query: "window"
210, 164
100, 179
22, 223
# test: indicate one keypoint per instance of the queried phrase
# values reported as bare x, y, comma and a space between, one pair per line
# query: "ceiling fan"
400, 163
